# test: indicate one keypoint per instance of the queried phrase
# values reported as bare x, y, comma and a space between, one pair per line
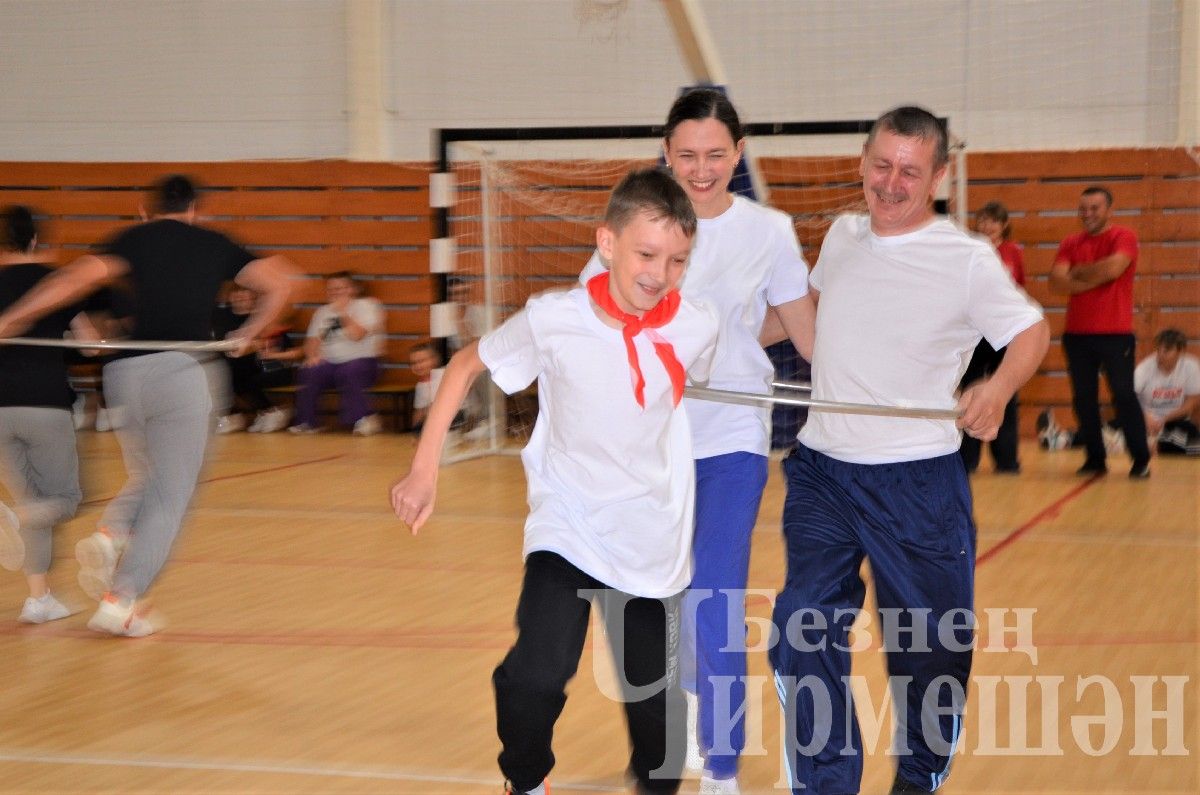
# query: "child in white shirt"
611, 479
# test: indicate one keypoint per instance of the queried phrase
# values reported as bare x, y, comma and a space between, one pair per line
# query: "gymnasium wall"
112, 94
133, 80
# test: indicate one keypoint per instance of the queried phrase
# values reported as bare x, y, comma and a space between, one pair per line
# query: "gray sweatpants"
37, 445
164, 403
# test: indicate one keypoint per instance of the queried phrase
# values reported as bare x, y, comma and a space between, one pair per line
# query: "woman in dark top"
37, 435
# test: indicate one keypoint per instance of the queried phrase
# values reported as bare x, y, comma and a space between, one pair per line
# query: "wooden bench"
394, 400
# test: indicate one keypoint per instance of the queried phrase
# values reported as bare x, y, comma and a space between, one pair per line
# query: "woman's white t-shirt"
336, 347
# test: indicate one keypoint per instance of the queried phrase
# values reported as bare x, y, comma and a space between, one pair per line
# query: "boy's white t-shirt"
336, 347
742, 261
897, 321
1161, 393
611, 486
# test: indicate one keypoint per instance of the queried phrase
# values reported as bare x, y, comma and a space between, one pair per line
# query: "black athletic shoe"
1044, 421
1139, 471
901, 785
1090, 468
1014, 470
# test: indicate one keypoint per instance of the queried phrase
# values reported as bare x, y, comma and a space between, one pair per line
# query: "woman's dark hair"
704, 103
19, 229
997, 212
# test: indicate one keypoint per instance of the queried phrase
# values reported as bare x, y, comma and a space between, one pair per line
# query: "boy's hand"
412, 499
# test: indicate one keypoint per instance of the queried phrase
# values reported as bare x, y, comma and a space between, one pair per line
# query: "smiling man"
1095, 267
903, 298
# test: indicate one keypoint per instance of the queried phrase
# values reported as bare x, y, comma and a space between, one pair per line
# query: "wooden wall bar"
374, 219
326, 216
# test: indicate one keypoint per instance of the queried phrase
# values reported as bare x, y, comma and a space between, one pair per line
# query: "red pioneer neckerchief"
632, 325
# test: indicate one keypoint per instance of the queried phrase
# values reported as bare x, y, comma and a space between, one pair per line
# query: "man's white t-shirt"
611, 486
897, 322
336, 347
741, 261
1162, 393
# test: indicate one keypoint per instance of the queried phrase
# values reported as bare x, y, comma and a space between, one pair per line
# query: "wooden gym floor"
315, 647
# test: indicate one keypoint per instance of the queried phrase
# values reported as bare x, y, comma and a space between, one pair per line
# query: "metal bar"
750, 399
217, 346
794, 386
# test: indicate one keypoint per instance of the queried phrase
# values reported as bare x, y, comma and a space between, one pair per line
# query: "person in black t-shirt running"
166, 399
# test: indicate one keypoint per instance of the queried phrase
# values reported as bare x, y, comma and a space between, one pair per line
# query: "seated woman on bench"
341, 351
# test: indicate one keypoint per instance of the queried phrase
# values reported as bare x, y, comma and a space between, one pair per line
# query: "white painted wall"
232, 79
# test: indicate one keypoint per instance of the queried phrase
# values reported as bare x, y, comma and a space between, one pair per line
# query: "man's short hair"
1170, 338
911, 121
1092, 190
174, 194
652, 191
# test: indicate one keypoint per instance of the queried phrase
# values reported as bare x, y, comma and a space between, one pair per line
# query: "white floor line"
379, 774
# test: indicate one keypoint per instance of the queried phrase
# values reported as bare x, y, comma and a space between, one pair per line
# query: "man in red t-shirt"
1095, 268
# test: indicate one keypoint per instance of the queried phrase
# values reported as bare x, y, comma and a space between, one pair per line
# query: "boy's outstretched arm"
413, 495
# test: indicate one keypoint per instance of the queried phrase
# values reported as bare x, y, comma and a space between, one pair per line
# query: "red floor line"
99, 500
1049, 512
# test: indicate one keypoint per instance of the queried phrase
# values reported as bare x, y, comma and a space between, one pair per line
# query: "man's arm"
1185, 409
65, 286
982, 405
413, 495
271, 279
1066, 280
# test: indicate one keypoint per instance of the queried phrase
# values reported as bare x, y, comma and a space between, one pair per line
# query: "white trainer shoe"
230, 423
124, 620
12, 546
98, 555
694, 760
303, 429
368, 426
39, 610
270, 421
718, 786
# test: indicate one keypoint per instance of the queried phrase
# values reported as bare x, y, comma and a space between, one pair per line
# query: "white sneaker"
718, 786
79, 412
270, 421
12, 546
97, 555
368, 426
302, 428
694, 760
123, 620
39, 610
230, 423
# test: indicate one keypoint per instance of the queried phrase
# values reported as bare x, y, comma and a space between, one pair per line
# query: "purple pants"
352, 379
